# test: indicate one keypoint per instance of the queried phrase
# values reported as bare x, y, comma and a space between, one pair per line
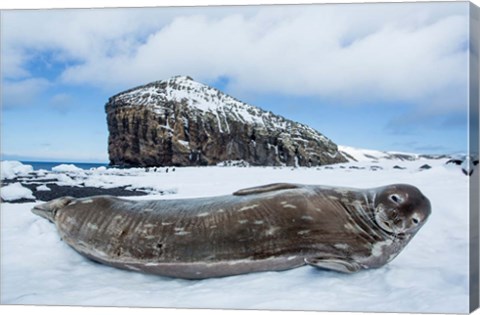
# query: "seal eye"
415, 221
395, 198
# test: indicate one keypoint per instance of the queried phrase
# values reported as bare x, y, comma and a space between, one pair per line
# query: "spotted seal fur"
271, 227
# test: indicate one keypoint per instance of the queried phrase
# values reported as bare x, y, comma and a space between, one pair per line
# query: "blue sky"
377, 76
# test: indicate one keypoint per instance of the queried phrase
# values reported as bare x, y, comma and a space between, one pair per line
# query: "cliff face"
180, 122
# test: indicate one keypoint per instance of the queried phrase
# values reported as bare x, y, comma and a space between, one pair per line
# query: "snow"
43, 188
12, 169
66, 168
238, 163
186, 144
362, 155
16, 191
430, 275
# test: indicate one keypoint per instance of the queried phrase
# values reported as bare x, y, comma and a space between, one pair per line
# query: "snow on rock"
66, 168
16, 191
43, 188
367, 155
236, 163
361, 155
101, 169
12, 169
198, 95
63, 179
41, 172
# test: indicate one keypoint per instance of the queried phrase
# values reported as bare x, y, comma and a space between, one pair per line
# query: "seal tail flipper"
49, 209
265, 188
335, 264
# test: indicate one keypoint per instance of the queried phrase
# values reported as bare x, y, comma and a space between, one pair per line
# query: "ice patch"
12, 169
16, 191
67, 168
43, 188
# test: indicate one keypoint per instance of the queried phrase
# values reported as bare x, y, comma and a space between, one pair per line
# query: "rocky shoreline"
20, 183
55, 191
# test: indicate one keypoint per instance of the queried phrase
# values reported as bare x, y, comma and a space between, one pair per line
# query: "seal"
267, 228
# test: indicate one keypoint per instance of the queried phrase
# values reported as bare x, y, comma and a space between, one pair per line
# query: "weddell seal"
265, 228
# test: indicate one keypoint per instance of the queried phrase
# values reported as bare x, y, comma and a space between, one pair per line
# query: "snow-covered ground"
430, 275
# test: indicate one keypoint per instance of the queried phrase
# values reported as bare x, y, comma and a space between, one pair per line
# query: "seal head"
401, 209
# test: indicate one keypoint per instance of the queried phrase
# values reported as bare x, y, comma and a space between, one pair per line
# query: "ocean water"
48, 165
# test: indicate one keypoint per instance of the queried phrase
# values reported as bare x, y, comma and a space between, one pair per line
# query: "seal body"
272, 227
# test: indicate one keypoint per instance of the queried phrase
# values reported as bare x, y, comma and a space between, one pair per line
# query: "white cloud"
22, 92
12, 63
404, 52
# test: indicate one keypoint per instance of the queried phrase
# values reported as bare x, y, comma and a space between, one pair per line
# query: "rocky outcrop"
180, 122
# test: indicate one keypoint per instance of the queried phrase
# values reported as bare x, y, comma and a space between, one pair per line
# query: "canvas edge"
473, 150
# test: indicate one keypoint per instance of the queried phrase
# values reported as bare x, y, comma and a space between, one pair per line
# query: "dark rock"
402, 157
399, 167
468, 163
180, 122
21, 200
454, 161
425, 167
57, 191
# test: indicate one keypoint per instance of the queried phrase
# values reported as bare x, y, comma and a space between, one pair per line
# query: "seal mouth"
49, 209
388, 227
388, 224
44, 211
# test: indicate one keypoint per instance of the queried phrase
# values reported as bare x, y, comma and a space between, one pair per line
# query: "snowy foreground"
430, 275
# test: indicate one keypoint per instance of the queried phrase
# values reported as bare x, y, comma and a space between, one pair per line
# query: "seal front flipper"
265, 188
336, 264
